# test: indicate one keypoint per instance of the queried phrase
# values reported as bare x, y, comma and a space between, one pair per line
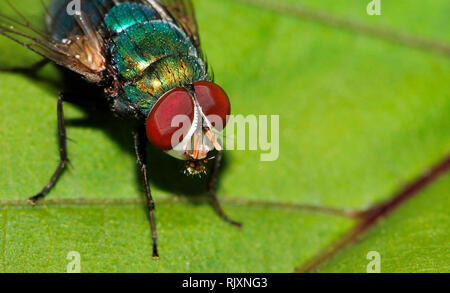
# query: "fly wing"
82, 54
182, 12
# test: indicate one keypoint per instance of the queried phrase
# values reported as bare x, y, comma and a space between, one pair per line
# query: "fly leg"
140, 143
211, 190
63, 159
32, 69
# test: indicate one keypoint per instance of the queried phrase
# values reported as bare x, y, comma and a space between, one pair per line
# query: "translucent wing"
182, 11
77, 43
82, 53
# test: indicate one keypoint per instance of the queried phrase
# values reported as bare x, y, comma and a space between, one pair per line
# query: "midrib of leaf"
182, 200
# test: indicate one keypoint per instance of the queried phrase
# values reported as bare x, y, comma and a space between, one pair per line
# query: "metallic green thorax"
152, 56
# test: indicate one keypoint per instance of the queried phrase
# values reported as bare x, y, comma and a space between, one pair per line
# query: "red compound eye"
213, 101
159, 129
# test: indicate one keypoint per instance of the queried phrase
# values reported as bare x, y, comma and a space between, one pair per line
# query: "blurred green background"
359, 118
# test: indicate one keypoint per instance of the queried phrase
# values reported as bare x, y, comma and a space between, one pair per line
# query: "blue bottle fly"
146, 56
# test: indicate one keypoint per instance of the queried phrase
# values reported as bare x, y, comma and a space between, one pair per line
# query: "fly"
146, 56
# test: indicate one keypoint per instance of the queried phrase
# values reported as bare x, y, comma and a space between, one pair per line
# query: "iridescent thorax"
151, 55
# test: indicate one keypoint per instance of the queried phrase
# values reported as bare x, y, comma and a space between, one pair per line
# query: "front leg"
211, 190
140, 142
63, 159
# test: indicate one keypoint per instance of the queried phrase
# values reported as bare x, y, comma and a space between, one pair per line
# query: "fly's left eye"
159, 123
213, 101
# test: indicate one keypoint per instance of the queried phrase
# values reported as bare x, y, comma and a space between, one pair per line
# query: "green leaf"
359, 117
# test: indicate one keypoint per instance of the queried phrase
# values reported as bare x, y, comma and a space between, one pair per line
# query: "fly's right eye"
214, 101
159, 123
